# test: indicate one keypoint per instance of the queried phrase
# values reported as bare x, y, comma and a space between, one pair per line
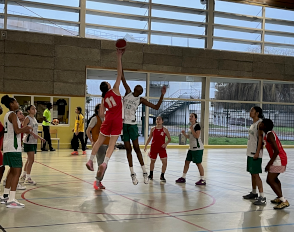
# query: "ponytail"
6, 100
259, 111
104, 88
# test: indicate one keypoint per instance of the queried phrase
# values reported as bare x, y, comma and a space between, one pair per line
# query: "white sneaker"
134, 179
14, 204
3, 200
30, 181
21, 187
22, 178
146, 179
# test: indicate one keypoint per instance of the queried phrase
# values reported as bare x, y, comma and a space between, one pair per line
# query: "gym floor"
64, 198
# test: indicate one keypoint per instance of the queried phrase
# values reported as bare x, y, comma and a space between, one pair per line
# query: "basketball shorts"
130, 132
12, 159
111, 127
154, 153
195, 156
254, 165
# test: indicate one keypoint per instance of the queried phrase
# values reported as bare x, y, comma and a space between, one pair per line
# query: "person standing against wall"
46, 127
79, 132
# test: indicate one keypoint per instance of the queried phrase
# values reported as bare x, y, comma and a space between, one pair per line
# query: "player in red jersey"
113, 123
158, 146
277, 163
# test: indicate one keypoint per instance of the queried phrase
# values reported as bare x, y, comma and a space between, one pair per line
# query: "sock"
151, 173
184, 175
202, 178
261, 194
132, 170
144, 169
6, 192
254, 191
12, 196
28, 176
92, 157
283, 199
24, 173
106, 159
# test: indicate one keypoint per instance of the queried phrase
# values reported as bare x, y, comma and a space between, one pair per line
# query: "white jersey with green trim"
131, 104
252, 143
195, 144
11, 141
28, 138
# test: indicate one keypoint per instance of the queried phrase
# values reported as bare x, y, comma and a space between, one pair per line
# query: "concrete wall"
55, 65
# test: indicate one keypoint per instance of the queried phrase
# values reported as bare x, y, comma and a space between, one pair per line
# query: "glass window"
178, 15
237, 34
186, 87
181, 3
61, 109
278, 13
234, 89
24, 102
75, 3
279, 39
239, 23
41, 106
170, 27
278, 92
282, 28
177, 41
246, 9
283, 119
233, 46
279, 51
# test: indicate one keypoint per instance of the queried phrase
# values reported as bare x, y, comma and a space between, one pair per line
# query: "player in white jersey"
12, 151
254, 156
30, 144
132, 100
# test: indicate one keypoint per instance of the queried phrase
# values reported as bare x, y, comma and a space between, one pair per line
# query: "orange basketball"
121, 44
55, 121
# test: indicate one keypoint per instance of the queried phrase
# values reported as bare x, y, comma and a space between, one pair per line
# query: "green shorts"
254, 166
195, 156
30, 147
130, 132
12, 159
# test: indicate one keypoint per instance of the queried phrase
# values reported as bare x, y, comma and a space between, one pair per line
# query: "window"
41, 106
278, 92
61, 109
24, 102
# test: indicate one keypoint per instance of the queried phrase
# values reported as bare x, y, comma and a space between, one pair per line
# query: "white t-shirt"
131, 104
252, 143
195, 144
28, 138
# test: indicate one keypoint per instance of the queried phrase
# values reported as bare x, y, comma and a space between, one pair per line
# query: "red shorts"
1, 159
111, 127
153, 153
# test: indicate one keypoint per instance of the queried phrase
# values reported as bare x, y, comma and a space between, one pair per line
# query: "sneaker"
14, 204
260, 201
52, 149
150, 177
74, 153
134, 179
146, 180
21, 187
44, 149
100, 173
181, 180
201, 182
84, 153
162, 179
22, 178
89, 165
250, 196
30, 181
3, 200
276, 201
282, 205
96, 185
101, 186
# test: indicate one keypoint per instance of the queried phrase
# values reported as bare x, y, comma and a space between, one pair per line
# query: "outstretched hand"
163, 90
120, 52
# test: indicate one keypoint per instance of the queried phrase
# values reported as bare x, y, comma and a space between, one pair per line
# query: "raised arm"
123, 79
119, 71
149, 138
157, 106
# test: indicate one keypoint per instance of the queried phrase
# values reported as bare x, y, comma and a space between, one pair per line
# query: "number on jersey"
110, 101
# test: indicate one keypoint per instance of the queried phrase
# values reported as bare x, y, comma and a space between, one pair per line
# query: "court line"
2, 229
124, 197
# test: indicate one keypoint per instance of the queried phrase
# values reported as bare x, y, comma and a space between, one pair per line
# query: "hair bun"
5, 99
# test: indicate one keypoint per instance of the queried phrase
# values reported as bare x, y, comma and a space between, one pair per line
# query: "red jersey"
281, 159
113, 103
158, 139
1, 139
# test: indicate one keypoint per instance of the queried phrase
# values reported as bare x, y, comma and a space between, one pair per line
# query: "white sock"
261, 194
6, 191
283, 199
24, 173
144, 169
11, 196
106, 159
254, 191
184, 175
92, 157
28, 176
132, 170
202, 178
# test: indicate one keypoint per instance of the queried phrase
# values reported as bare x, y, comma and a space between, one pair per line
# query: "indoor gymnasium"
146, 115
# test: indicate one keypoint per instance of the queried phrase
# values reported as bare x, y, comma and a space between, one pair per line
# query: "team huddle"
117, 114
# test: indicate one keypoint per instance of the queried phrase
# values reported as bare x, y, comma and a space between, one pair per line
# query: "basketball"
121, 44
55, 121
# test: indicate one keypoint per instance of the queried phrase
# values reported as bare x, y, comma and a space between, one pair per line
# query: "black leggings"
76, 139
47, 137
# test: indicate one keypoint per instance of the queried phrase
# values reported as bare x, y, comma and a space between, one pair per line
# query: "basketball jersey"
252, 143
281, 159
28, 138
113, 103
96, 131
1, 139
131, 104
158, 139
12, 141
195, 144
